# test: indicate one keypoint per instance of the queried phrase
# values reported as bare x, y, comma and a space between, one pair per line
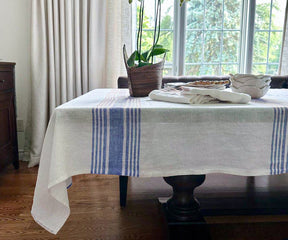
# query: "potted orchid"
143, 74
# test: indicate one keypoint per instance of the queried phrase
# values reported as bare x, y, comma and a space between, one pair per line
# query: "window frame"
247, 33
247, 30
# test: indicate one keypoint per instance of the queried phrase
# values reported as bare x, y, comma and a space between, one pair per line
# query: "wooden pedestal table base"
182, 210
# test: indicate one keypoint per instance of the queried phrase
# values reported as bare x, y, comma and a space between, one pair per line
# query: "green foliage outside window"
140, 58
213, 40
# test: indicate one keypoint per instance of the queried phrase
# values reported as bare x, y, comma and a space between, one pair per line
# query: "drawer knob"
2, 81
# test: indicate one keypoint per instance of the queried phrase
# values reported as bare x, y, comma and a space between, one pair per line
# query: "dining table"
105, 131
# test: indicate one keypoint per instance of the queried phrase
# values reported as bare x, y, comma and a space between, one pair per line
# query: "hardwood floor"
95, 211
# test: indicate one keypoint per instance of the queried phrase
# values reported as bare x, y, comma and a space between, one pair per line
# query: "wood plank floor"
95, 211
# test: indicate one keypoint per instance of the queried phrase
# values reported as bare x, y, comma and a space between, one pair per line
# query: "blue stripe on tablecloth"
135, 142
93, 139
272, 144
96, 139
98, 146
99, 140
284, 140
131, 143
280, 140
116, 141
127, 112
69, 186
105, 143
111, 125
278, 144
139, 137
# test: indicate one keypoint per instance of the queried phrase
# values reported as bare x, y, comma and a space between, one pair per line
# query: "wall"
15, 46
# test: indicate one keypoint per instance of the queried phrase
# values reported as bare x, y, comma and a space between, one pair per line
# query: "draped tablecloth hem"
63, 219
233, 171
42, 224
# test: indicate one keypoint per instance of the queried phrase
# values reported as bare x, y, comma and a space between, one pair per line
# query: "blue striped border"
279, 162
116, 136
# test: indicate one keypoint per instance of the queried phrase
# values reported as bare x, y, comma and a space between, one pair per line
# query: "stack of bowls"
254, 85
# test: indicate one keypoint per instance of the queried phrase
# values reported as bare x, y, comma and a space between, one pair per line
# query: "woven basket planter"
142, 80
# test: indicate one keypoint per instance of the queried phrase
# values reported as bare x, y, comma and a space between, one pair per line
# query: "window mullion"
269, 36
242, 49
179, 38
204, 28
182, 39
175, 39
250, 35
222, 38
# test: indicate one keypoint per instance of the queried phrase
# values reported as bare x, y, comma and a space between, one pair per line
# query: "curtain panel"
76, 46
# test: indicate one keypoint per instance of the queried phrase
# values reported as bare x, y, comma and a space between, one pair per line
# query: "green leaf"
141, 57
158, 51
145, 55
156, 46
136, 55
131, 59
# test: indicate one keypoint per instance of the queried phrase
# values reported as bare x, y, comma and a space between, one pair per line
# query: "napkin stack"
192, 95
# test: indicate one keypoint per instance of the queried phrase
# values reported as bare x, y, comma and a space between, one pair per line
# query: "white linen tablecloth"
107, 132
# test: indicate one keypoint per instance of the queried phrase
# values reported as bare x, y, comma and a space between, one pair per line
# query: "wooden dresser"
8, 130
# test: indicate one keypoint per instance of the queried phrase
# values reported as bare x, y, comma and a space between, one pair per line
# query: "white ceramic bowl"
251, 84
254, 85
252, 91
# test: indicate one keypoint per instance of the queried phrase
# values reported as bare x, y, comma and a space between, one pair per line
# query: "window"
216, 37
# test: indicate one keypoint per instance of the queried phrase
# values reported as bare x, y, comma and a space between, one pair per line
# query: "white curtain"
283, 67
76, 46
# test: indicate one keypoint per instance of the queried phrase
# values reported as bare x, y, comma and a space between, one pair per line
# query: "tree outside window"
209, 37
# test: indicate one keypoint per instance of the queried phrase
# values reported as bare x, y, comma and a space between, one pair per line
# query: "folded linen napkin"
221, 95
168, 96
191, 95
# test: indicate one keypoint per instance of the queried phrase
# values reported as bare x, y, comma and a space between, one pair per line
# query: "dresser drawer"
6, 80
